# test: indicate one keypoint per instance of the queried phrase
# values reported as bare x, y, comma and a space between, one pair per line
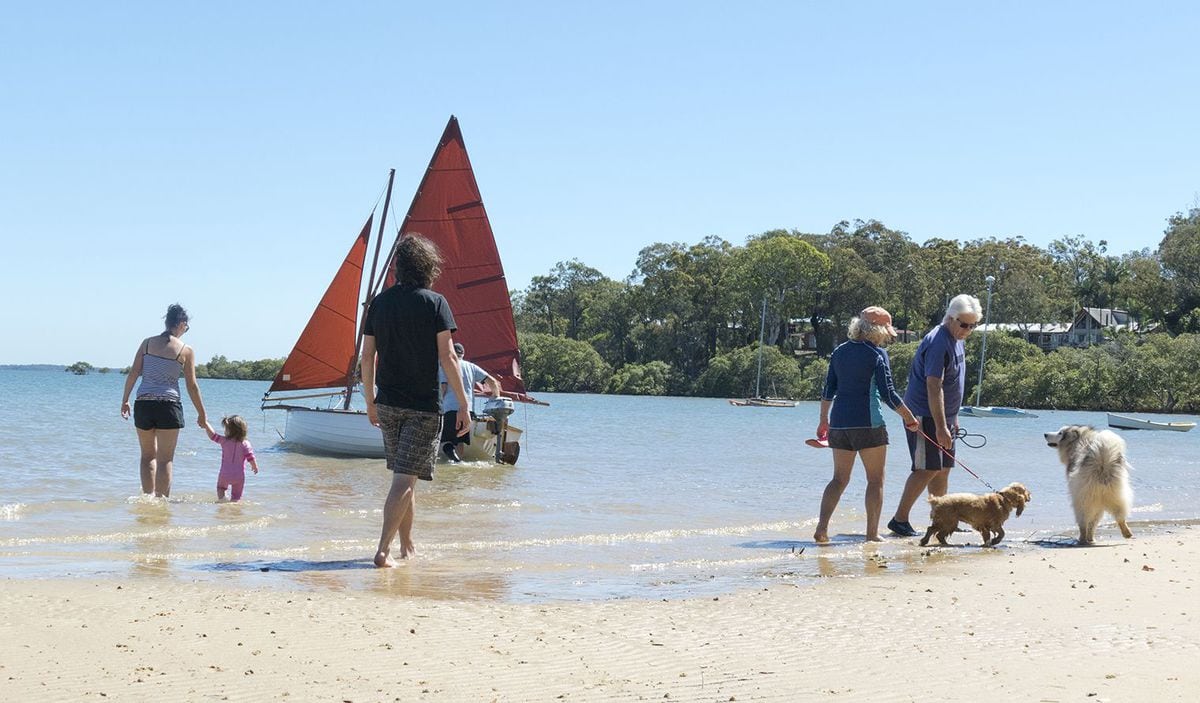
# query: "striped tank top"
160, 377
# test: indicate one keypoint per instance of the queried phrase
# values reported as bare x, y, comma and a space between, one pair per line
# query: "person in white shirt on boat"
471, 374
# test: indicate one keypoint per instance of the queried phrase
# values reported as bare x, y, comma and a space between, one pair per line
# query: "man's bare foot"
407, 551
821, 537
874, 538
383, 561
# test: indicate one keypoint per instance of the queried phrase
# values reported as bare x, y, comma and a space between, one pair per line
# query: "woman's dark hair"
418, 261
175, 316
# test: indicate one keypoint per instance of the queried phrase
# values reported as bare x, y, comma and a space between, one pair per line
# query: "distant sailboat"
758, 401
978, 410
447, 209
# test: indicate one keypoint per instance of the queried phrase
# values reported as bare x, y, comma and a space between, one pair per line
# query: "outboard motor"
498, 409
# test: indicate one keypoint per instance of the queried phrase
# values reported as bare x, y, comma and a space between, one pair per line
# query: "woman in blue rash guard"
860, 375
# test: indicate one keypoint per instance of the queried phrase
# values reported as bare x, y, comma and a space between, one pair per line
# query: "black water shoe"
901, 528
451, 455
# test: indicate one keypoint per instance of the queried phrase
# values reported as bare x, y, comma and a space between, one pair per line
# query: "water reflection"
152, 543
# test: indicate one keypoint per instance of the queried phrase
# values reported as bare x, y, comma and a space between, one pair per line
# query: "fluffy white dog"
1097, 476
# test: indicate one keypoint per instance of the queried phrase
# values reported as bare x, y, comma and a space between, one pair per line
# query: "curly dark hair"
418, 261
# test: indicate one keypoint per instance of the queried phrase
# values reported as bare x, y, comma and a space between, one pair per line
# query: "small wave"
119, 537
612, 539
713, 563
1152, 508
12, 511
495, 505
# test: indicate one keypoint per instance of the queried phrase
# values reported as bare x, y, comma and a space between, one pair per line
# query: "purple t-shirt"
939, 355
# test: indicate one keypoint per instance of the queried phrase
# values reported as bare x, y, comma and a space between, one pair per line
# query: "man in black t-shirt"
406, 336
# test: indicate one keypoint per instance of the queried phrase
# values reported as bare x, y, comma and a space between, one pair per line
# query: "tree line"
220, 367
686, 320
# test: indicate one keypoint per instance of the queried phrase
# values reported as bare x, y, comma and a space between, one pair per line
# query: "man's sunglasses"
966, 325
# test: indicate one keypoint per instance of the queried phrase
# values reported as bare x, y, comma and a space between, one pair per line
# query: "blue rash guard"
860, 373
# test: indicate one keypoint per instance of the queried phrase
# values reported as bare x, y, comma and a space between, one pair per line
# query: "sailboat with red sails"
448, 210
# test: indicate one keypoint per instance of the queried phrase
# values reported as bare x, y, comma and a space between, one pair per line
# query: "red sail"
448, 211
324, 355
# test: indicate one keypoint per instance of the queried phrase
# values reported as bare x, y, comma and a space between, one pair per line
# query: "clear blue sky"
224, 154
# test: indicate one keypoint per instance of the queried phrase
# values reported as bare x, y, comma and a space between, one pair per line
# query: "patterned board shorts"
410, 440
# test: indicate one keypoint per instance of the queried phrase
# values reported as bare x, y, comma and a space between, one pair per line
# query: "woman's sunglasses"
966, 325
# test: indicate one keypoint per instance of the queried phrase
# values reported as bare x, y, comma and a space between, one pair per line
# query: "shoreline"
1113, 622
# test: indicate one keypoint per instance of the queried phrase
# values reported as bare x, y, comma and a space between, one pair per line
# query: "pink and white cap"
878, 316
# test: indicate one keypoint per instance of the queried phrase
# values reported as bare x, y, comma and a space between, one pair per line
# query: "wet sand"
1115, 622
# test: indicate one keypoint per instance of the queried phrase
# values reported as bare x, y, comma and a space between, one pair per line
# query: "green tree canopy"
561, 365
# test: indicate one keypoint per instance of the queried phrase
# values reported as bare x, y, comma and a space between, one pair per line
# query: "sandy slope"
1117, 622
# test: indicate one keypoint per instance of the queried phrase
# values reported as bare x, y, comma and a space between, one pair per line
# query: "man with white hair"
936, 385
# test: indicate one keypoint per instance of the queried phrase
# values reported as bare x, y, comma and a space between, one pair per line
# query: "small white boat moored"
349, 433
1125, 422
993, 411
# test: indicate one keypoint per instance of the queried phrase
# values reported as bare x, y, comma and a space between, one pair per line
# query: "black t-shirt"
405, 322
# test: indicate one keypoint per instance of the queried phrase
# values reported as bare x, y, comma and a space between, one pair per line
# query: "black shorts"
450, 432
926, 455
158, 414
858, 438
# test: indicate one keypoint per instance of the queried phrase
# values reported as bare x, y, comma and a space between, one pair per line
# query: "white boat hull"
349, 433
1124, 422
993, 411
763, 402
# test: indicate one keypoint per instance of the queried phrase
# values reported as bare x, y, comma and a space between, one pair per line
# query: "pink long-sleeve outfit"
234, 456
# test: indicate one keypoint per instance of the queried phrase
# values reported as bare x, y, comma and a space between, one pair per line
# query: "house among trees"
1047, 337
1089, 327
1091, 323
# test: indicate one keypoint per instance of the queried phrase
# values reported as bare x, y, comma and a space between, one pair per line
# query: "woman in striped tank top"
158, 410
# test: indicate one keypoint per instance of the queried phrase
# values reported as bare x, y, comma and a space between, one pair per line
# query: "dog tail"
1110, 461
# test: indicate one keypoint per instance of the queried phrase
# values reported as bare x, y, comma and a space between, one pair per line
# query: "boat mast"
983, 345
370, 294
762, 329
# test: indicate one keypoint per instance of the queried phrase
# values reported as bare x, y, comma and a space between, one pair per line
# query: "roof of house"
1027, 328
1109, 317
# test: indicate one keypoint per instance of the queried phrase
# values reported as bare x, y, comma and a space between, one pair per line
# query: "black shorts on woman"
856, 439
154, 414
927, 455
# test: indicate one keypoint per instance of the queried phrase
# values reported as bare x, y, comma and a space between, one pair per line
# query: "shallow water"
613, 497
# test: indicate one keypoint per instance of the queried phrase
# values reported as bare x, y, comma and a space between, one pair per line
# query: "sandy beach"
1116, 622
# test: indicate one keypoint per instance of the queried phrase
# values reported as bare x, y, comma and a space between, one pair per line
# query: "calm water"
614, 497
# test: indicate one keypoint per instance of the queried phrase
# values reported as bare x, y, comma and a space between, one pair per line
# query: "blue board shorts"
927, 455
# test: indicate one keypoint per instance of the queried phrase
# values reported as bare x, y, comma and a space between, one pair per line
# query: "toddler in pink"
235, 452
